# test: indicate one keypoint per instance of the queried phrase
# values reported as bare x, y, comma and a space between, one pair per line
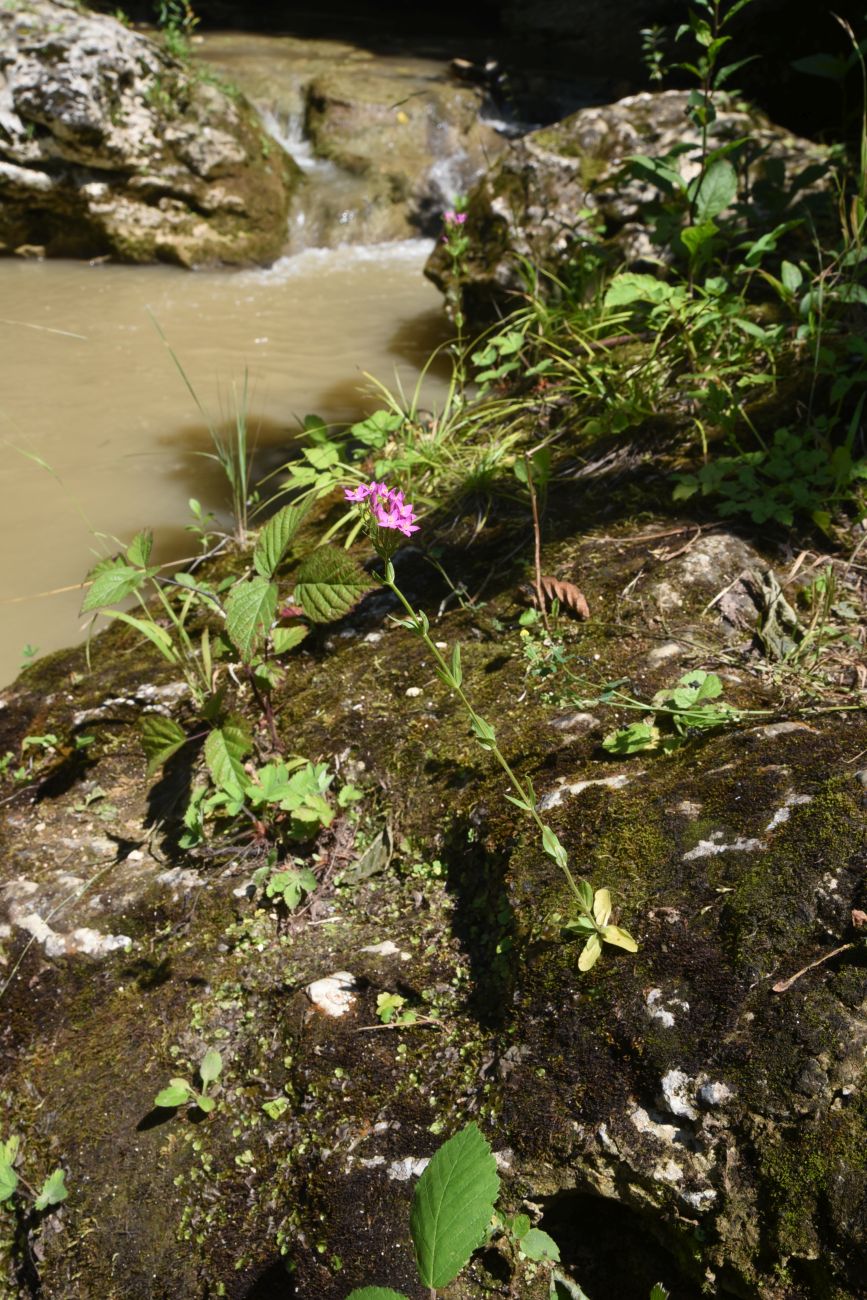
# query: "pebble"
333, 995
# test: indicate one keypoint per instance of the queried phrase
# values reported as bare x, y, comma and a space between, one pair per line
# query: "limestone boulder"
563, 188
110, 146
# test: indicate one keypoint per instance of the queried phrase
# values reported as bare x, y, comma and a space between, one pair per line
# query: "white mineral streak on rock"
714, 1094
386, 949
669, 1133
773, 729
782, 814
333, 995
678, 1091
661, 1012
82, 940
555, 797
708, 848
408, 1167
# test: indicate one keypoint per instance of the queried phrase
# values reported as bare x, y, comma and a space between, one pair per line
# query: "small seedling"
181, 1092
12, 1183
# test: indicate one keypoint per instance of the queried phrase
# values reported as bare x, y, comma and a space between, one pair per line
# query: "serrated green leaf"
284, 639
111, 583
139, 549
452, 1206
634, 287
328, 584
375, 1293
8, 1181
537, 1245
225, 750
161, 738
174, 1095
275, 538
250, 610
211, 1067
53, 1190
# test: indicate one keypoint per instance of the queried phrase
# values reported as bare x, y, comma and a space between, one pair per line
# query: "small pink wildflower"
452, 218
388, 510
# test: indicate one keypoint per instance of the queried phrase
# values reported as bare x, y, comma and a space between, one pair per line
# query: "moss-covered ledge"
670, 1116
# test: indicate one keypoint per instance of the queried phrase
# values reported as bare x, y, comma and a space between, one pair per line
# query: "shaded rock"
563, 187
109, 146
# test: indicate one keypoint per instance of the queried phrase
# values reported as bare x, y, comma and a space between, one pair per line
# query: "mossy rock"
671, 1117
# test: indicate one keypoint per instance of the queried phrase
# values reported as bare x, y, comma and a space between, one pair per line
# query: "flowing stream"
99, 433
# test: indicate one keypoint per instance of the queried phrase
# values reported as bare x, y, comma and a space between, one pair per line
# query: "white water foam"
343, 257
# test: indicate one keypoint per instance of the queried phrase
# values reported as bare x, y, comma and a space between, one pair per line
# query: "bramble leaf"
275, 538
161, 738
328, 584
250, 610
225, 750
452, 1206
110, 582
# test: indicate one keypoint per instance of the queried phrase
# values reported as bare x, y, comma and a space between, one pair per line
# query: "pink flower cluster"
386, 505
452, 218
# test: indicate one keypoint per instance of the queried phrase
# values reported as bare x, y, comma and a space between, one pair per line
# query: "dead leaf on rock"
567, 594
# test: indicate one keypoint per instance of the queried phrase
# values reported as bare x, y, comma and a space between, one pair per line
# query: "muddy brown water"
89, 389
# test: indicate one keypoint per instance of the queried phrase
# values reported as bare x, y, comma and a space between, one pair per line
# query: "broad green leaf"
225, 750
8, 1181
715, 190
157, 635
694, 238
452, 1206
375, 1293
211, 1067
284, 639
659, 172
374, 431
537, 1245
632, 287
633, 739
111, 583
205, 1104
250, 610
792, 276
161, 737
328, 584
520, 1226
9, 1150
174, 1095
620, 938
275, 538
659, 1292
139, 549
53, 1190
590, 953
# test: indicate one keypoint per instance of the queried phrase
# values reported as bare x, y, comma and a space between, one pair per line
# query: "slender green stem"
524, 793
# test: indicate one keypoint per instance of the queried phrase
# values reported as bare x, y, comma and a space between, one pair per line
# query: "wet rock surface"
670, 1117
111, 147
